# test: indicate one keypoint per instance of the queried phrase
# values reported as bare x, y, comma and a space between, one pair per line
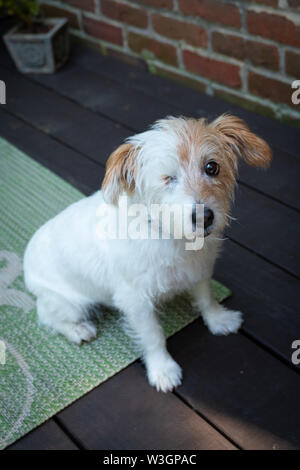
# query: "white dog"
69, 268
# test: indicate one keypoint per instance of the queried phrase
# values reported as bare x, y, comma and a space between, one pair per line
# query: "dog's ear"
120, 173
254, 150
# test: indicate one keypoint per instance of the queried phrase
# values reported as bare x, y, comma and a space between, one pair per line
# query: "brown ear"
120, 173
254, 150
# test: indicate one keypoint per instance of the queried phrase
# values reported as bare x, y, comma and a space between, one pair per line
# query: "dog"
69, 268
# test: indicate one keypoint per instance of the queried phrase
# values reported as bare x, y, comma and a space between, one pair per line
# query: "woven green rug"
40, 373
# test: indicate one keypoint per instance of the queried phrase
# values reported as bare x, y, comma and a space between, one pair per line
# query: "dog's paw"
165, 376
78, 332
224, 322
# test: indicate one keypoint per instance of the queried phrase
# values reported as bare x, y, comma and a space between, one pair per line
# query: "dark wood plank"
267, 227
48, 436
141, 80
81, 172
76, 126
126, 413
280, 181
128, 107
268, 297
188, 100
239, 387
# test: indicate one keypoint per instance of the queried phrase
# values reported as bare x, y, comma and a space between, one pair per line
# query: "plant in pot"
36, 44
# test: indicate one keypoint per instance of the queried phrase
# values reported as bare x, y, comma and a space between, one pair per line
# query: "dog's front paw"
165, 375
224, 322
79, 332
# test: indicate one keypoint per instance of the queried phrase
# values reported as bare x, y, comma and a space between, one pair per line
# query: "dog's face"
185, 162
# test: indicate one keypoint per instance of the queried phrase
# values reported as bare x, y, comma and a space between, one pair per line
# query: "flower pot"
42, 52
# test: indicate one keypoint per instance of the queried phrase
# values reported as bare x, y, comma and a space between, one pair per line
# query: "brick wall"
246, 51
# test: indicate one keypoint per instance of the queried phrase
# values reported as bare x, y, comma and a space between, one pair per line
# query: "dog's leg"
219, 320
163, 372
66, 318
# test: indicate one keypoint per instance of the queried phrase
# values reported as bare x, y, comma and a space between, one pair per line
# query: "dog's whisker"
230, 217
219, 239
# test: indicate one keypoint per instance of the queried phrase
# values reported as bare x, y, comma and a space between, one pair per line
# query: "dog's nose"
208, 217
194, 216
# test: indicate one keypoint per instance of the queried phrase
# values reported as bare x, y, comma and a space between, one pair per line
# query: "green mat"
40, 373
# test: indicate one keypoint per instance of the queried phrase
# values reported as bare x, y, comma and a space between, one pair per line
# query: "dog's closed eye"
169, 179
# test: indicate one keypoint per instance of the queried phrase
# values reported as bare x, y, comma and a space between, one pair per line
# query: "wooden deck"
240, 391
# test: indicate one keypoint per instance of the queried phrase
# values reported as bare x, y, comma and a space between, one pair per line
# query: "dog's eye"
169, 179
212, 168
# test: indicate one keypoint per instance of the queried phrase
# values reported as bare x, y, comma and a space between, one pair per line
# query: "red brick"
164, 52
245, 103
156, 3
212, 10
56, 12
180, 30
292, 64
263, 55
124, 13
102, 30
213, 69
87, 5
228, 44
260, 54
276, 27
269, 88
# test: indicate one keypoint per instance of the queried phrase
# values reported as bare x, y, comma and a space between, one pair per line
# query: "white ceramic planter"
40, 53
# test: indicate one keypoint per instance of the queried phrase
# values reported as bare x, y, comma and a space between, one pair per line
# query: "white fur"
69, 269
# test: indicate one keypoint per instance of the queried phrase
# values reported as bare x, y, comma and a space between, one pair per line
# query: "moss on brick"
104, 49
290, 120
125, 57
97, 46
245, 103
182, 79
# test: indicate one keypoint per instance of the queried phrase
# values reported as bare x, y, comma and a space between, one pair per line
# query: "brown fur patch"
223, 141
190, 132
198, 145
237, 135
120, 171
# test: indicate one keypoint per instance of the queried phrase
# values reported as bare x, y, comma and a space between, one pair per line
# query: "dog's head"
186, 162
